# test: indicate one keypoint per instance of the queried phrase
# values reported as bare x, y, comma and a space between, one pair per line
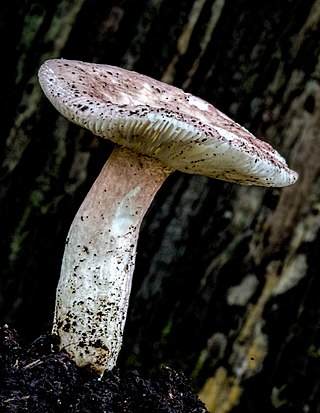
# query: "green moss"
314, 351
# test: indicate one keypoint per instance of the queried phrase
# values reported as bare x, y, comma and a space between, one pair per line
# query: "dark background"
226, 286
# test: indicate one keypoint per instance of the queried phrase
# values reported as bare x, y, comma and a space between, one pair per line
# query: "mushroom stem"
98, 263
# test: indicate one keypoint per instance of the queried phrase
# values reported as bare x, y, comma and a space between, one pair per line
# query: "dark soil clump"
35, 379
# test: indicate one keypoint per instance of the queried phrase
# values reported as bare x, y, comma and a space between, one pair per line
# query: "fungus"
157, 129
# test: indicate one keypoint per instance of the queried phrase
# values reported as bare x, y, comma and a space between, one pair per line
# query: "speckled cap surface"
158, 120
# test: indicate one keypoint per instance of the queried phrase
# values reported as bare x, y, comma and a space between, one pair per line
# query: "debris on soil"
35, 379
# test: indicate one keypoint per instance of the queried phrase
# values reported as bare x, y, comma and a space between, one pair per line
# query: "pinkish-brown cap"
158, 120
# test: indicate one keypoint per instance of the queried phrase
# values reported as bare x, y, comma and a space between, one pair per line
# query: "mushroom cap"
183, 131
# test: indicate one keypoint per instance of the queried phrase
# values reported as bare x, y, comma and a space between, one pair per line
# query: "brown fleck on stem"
98, 262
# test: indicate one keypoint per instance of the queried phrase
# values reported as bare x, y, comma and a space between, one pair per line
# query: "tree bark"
226, 281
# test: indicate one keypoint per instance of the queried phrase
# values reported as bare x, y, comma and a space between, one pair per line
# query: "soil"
35, 379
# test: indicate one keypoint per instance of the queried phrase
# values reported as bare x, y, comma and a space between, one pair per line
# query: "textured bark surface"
227, 277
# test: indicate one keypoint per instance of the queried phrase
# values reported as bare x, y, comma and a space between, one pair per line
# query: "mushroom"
157, 129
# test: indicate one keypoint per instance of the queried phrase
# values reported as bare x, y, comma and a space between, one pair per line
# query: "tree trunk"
226, 282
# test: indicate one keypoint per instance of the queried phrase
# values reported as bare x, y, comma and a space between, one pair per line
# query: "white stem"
98, 263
